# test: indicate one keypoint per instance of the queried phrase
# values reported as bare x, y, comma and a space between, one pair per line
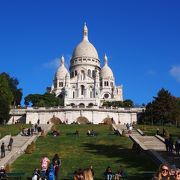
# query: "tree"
17, 92
6, 98
128, 103
162, 108
45, 100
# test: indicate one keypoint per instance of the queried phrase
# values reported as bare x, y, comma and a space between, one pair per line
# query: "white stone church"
83, 88
86, 83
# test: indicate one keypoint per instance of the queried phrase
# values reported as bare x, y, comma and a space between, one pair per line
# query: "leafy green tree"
45, 100
162, 109
17, 92
125, 103
128, 103
6, 98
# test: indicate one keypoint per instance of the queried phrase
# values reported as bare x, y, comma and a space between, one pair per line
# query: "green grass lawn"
100, 151
151, 130
13, 129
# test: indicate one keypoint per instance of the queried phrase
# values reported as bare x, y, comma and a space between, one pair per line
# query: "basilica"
86, 84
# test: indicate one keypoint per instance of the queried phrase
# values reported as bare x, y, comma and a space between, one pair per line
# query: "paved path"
20, 144
154, 146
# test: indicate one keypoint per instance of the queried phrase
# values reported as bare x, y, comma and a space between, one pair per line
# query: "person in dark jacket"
56, 161
2, 150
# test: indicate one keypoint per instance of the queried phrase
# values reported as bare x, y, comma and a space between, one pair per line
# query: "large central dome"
85, 48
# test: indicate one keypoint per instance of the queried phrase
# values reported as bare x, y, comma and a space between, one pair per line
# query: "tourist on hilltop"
171, 143
166, 141
177, 146
51, 172
157, 131
2, 150
177, 174
44, 166
36, 174
108, 174
10, 144
88, 132
3, 174
56, 161
163, 173
35, 127
120, 173
78, 174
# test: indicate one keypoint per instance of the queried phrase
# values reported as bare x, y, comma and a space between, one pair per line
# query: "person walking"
171, 143
166, 141
56, 161
2, 150
10, 144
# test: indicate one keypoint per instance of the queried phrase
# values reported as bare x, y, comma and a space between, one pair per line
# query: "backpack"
51, 173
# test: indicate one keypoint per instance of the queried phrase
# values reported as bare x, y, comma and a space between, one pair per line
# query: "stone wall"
70, 115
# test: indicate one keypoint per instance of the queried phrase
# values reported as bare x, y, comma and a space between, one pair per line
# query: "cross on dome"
85, 32
62, 60
105, 60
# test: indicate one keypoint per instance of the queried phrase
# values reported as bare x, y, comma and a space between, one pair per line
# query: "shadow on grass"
128, 157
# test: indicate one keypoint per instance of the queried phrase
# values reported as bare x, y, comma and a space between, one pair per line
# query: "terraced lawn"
100, 151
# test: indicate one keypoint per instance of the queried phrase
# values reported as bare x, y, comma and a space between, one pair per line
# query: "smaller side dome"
106, 72
62, 71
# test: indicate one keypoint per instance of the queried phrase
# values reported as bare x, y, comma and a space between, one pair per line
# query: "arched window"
89, 72
106, 96
82, 90
75, 73
82, 75
93, 73
91, 94
60, 84
73, 94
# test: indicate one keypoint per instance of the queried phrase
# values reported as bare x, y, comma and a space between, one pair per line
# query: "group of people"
129, 127
165, 172
30, 131
169, 142
109, 175
49, 169
9, 146
91, 133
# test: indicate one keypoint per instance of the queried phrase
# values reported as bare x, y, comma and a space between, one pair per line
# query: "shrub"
30, 148
8, 168
55, 120
123, 133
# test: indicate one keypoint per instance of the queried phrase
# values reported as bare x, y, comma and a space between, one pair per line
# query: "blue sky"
141, 39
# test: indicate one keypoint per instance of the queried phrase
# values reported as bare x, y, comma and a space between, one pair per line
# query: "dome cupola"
106, 72
85, 48
62, 71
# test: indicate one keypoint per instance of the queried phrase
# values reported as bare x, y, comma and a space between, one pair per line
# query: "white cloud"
175, 72
53, 64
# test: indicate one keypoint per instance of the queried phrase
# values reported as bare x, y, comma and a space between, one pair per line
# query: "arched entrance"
82, 120
81, 105
90, 105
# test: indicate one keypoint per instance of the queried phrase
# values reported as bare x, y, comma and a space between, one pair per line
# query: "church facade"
86, 84
84, 87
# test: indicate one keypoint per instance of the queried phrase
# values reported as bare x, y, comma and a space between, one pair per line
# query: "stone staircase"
154, 146
20, 144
